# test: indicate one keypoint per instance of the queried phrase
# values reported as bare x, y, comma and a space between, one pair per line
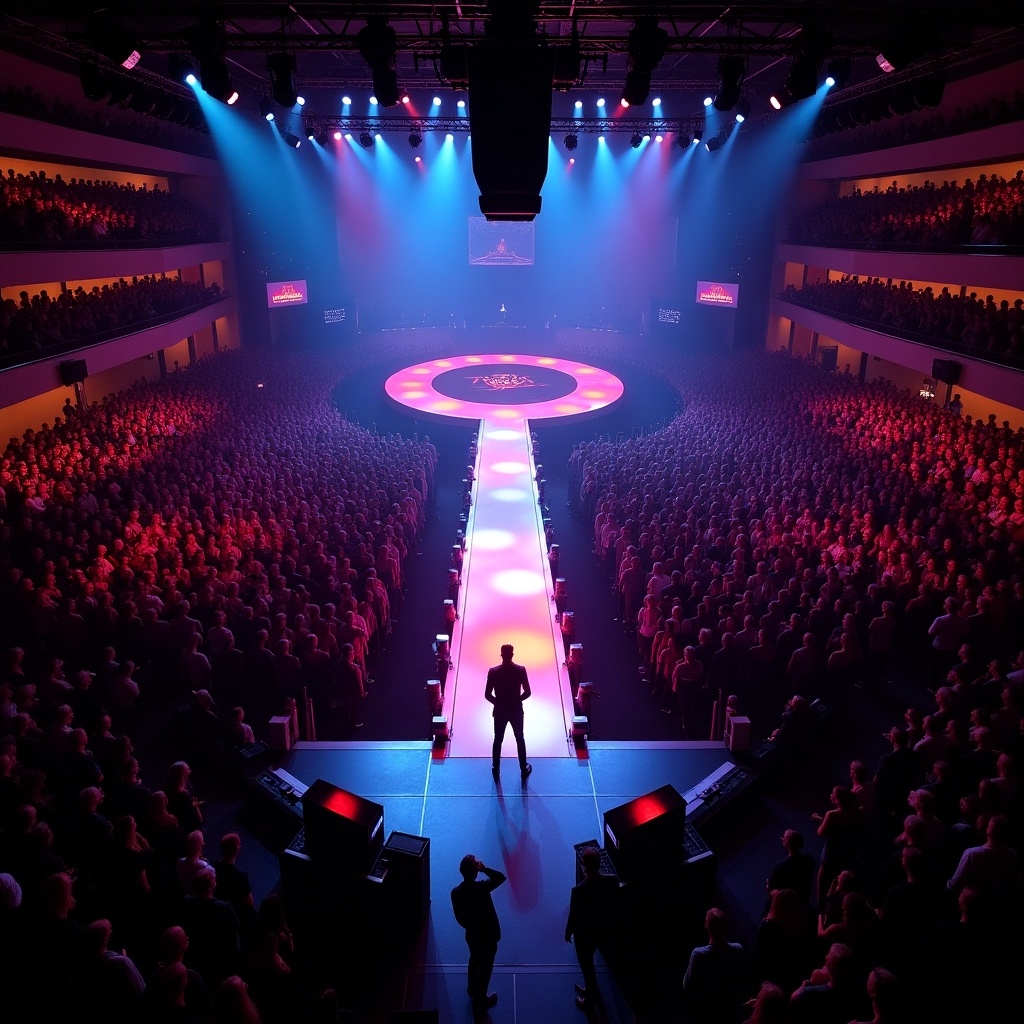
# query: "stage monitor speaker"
946, 370
648, 834
72, 371
407, 884
342, 829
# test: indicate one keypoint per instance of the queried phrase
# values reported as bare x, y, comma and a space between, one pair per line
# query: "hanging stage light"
111, 39
571, 141
378, 45
209, 44
731, 70
282, 78
646, 44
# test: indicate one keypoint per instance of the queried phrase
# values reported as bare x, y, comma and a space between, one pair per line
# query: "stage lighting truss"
566, 127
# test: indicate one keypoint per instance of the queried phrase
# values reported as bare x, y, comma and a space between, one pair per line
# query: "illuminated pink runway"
507, 586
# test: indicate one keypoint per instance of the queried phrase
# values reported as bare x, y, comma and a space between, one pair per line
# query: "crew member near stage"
507, 688
474, 910
593, 906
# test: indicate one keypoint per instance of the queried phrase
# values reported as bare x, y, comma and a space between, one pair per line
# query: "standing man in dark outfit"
593, 905
474, 910
507, 688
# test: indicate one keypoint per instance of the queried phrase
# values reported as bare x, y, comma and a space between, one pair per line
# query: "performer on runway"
507, 688
474, 910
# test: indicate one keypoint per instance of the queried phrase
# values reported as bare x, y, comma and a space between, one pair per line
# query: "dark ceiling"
323, 38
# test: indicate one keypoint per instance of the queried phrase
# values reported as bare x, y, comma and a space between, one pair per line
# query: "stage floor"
526, 832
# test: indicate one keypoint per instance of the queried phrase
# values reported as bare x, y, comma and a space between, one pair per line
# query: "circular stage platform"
503, 387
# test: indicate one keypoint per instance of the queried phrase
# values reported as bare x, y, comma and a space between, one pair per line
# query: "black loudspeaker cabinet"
72, 371
342, 829
646, 835
407, 884
946, 370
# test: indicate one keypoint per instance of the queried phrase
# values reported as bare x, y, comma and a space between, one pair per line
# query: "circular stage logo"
504, 384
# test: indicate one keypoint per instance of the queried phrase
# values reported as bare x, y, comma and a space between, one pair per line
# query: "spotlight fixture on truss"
378, 45
646, 44
282, 78
111, 39
181, 69
812, 46
209, 44
636, 140
571, 141
266, 109
415, 139
731, 69
365, 140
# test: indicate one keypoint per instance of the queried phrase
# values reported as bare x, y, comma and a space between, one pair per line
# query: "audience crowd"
36, 323
794, 537
993, 330
226, 539
908, 129
35, 208
223, 539
24, 101
989, 211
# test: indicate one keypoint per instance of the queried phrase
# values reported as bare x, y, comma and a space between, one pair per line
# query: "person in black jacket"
593, 906
474, 910
507, 688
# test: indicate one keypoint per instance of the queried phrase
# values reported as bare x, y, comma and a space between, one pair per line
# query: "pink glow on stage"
413, 387
506, 579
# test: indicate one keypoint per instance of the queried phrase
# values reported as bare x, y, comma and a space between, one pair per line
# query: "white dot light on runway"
518, 582
510, 494
493, 540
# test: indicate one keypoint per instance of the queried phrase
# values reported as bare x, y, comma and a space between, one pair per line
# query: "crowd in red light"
986, 211
800, 536
947, 319
37, 208
33, 324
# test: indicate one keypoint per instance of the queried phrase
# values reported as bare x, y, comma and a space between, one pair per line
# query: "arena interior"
678, 345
